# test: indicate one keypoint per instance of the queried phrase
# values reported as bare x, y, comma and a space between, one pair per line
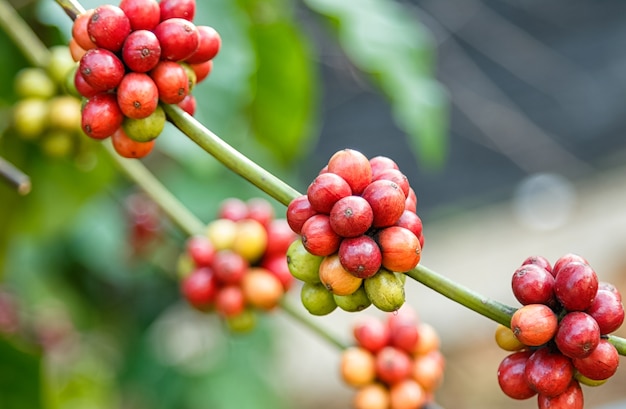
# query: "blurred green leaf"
282, 110
385, 39
20, 377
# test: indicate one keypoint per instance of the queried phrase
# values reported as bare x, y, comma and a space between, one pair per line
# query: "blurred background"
507, 117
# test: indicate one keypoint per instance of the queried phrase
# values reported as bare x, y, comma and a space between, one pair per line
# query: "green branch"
15, 177
23, 36
306, 320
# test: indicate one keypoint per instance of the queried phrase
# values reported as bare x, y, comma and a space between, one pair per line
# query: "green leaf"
282, 111
385, 40
20, 378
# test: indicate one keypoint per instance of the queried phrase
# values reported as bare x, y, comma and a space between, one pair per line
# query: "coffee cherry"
128, 148
251, 240
108, 27
353, 167
30, 117
325, 190
407, 394
303, 265
403, 329
33, 82
185, 9
171, 80
145, 129
101, 116
279, 237
64, 113
571, 398
137, 95
387, 202
506, 339
428, 339
200, 288
548, 372
82, 87
260, 210
411, 201
381, 163
397, 177
209, 43
361, 256
79, 30
575, 285
357, 301
603, 285
242, 322
317, 299
539, 261
512, 377
392, 365
534, 324
607, 310
578, 335
337, 279
299, 211
222, 232
428, 370
372, 396
385, 290
142, 14
583, 380
566, 259
371, 333
601, 364
400, 249
201, 251
229, 267
357, 367
230, 301
141, 51
101, 69
261, 288
178, 37
351, 216
188, 104
202, 70
277, 265
533, 284
233, 209
318, 236
411, 221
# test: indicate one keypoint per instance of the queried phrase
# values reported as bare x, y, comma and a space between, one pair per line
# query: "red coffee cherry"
360, 255
260, 210
101, 116
512, 377
299, 211
397, 177
82, 87
202, 70
381, 163
571, 398
578, 335
142, 14
171, 81
209, 44
141, 51
128, 148
188, 104
549, 372
201, 251
178, 37
392, 365
200, 288
566, 259
137, 95
371, 333
325, 190
411, 201
318, 237
353, 167
387, 202
411, 221
108, 27
575, 285
533, 284
230, 301
279, 237
79, 30
400, 249
351, 216
608, 311
534, 324
185, 9
101, 69
229, 267
601, 364
539, 261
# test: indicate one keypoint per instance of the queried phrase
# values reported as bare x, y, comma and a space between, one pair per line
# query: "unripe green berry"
58, 143
30, 117
317, 299
60, 64
242, 323
385, 290
303, 265
145, 129
357, 301
34, 82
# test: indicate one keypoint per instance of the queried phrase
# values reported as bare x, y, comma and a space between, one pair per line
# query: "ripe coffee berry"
141, 51
512, 377
318, 237
387, 202
400, 248
607, 310
533, 284
101, 116
549, 372
325, 190
600, 364
534, 324
578, 335
575, 285
571, 398
209, 44
108, 27
361, 256
128, 148
137, 95
185, 9
79, 30
353, 167
179, 38
351, 216
171, 81
101, 69
142, 14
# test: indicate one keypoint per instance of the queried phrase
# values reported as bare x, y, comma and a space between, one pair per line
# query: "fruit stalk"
71, 7
23, 37
14, 177
619, 344
288, 308
491, 309
229, 156
139, 174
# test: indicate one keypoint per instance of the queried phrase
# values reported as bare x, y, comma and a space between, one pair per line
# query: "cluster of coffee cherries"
359, 223
239, 266
396, 363
558, 338
131, 58
46, 113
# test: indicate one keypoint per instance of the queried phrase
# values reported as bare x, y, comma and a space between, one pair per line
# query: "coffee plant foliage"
64, 252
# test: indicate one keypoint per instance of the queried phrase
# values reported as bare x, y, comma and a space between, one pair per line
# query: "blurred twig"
14, 177
22, 35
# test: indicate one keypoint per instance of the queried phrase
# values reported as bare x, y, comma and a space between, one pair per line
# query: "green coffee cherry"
357, 301
303, 265
385, 290
317, 299
60, 64
30, 117
34, 83
64, 113
145, 129
191, 75
242, 323
58, 143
